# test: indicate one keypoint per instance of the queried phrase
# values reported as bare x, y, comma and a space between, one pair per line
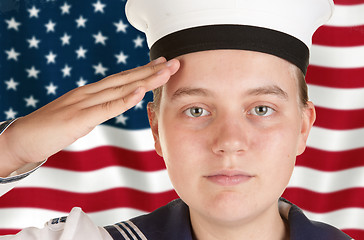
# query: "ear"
308, 118
153, 122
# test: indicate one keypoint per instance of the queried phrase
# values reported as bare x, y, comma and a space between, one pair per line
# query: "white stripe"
348, 218
347, 16
337, 57
121, 231
103, 135
19, 218
136, 229
336, 98
99, 180
336, 140
327, 182
127, 229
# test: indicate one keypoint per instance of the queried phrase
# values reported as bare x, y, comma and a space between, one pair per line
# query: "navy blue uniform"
173, 222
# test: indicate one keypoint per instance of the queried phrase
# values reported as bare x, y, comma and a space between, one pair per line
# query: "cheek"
277, 150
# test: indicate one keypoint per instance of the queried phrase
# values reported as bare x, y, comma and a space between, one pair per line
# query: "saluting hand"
39, 135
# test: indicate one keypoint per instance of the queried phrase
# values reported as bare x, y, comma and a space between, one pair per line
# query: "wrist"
8, 160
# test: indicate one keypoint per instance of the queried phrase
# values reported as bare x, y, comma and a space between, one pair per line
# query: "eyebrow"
269, 90
185, 91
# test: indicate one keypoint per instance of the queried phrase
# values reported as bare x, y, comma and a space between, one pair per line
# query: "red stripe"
90, 202
331, 161
88, 160
334, 36
106, 156
354, 233
348, 2
339, 119
5, 231
323, 203
335, 77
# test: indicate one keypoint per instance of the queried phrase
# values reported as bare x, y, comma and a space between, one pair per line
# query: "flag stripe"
89, 202
327, 182
98, 180
321, 203
344, 219
354, 233
348, 2
331, 36
104, 135
345, 99
106, 156
337, 57
335, 140
90, 182
347, 15
339, 119
335, 78
331, 161
115, 198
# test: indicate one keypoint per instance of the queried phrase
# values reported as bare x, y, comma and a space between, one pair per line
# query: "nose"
231, 136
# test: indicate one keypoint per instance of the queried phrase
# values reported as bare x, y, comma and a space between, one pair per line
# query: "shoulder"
168, 222
303, 228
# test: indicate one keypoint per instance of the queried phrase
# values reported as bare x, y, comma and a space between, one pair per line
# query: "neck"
269, 225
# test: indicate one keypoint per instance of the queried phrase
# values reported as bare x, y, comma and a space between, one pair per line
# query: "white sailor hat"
283, 28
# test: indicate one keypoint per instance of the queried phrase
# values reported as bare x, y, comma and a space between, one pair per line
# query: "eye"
196, 112
261, 111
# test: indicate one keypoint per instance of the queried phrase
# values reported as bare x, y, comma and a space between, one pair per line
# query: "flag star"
33, 43
12, 54
81, 22
50, 26
11, 84
138, 42
65, 8
51, 89
51, 58
10, 114
121, 26
121, 57
99, 38
32, 72
99, 69
66, 71
121, 119
31, 102
139, 105
33, 12
13, 24
99, 7
81, 82
81, 52
65, 39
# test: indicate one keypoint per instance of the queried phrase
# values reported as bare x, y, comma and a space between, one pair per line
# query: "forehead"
232, 71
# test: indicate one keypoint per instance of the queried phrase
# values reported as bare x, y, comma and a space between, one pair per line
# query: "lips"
229, 177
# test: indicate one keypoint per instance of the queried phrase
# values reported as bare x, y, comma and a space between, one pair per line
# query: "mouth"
229, 178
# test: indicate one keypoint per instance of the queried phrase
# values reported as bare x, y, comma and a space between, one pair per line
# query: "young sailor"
230, 115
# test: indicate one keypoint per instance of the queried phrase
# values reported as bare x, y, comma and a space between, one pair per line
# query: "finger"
113, 93
107, 110
128, 76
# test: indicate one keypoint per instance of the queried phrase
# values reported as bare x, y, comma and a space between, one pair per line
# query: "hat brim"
240, 37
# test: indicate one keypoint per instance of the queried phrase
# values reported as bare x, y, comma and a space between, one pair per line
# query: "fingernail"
158, 60
169, 63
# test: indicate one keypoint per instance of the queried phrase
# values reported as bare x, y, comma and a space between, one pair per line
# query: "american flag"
48, 47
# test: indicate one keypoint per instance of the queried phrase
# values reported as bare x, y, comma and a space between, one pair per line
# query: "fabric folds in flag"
48, 47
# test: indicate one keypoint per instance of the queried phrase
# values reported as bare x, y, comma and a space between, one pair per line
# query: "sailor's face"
229, 128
